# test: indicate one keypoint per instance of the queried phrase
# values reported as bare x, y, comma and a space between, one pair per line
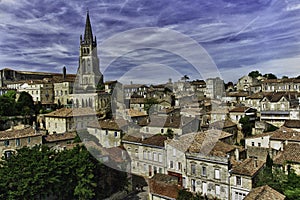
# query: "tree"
71, 174
7, 106
285, 77
185, 78
149, 103
254, 74
247, 125
170, 133
25, 103
270, 76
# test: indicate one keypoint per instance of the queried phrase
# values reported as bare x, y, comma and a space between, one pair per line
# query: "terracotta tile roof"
239, 109
258, 95
154, 140
248, 167
162, 121
136, 113
238, 94
134, 86
292, 123
137, 100
109, 124
60, 137
19, 133
61, 79
260, 135
285, 134
264, 193
71, 112
164, 185
181, 143
290, 153
222, 124
276, 96
209, 141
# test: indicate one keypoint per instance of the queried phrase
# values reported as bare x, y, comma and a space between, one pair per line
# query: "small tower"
89, 75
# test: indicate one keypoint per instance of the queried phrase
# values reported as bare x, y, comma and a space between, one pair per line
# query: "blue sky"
234, 36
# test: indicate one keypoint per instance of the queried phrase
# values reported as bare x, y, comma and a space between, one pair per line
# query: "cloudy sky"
152, 41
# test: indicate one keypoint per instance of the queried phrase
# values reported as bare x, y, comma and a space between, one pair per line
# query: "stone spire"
88, 35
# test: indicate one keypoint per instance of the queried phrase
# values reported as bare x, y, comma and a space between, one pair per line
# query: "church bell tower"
89, 75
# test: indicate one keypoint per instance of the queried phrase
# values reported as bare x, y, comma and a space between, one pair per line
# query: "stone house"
208, 165
40, 90
11, 140
238, 112
243, 177
281, 85
69, 119
176, 159
163, 187
109, 132
147, 153
278, 107
59, 141
289, 158
292, 124
245, 83
63, 89
214, 88
131, 89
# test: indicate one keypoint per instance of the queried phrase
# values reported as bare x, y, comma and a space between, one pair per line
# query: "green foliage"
186, 195
247, 125
254, 74
10, 94
25, 104
39, 172
148, 103
287, 184
271, 128
270, 76
7, 106
170, 133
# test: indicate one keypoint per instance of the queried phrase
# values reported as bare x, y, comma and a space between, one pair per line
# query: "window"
218, 190
155, 156
145, 167
171, 164
179, 166
160, 170
259, 144
238, 180
155, 170
18, 142
8, 154
193, 183
149, 155
217, 174
106, 132
55, 125
116, 134
174, 152
159, 158
162, 130
28, 140
252, 144
193, 169
6, 142
136, 153
144, 154
203, 171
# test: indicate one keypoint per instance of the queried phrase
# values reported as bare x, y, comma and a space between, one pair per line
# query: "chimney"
143, 137
64, 72
255, 162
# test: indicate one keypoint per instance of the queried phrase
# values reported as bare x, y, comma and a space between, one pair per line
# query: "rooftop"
164, 185
248, 167
18, 133
290, 153
264, 193
60, 137
71, 112
153, 140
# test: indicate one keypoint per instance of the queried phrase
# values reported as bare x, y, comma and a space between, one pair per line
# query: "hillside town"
205, 139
